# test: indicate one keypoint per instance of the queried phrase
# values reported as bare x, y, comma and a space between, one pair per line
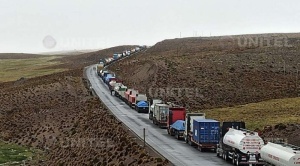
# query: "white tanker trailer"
280, 154
239, 145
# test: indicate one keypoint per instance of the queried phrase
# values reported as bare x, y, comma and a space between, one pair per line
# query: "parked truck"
175, 122
151, 108
99, 68
132, 98
239, 145
113, 83
160, 114
141, 104
188, 130
280, 154
205, 134
120, 92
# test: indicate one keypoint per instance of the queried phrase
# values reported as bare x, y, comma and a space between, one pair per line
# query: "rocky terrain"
217, 71
57, 114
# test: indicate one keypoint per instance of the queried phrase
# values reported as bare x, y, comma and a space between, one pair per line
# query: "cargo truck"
160, 114
99, 68
132, 98
114, 83
280, 154
188, 130
175, 122
151, 108
205, 134
115, 56
141, 104
120, 92
239, 145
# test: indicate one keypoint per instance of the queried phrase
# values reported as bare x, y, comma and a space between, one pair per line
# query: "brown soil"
57, 114
288, 133
217, 71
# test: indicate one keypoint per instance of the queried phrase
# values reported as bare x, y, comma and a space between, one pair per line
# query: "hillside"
217, 71
57, 115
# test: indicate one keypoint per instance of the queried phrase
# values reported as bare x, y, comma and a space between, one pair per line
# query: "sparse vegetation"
259, 115
11, 154
14, 69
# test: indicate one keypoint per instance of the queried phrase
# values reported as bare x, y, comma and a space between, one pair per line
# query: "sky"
33, 26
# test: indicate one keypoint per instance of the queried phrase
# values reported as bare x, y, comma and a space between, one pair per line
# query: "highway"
177, 152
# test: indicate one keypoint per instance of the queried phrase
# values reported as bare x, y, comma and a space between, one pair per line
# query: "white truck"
280, 154
160, 113
151, 108
239, 145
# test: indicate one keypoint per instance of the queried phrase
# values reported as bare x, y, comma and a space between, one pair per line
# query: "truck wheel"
226, 156
176, 135
168, 130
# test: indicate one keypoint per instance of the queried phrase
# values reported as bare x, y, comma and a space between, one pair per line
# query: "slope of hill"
56, 114
214, 72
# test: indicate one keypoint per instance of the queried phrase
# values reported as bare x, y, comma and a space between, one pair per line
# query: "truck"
99, 68
175, 122
132, 98
141, 103
280, 154
152, 102
188, 129
239, 145
160, 115
205, 134
114, 83
120, 92
115, 56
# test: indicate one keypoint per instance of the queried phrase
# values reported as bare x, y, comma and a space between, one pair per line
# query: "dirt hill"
58, 115
210, 72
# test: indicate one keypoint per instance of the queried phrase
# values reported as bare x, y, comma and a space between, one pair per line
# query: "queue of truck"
229, 140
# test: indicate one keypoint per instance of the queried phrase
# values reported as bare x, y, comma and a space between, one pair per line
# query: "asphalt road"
178, 152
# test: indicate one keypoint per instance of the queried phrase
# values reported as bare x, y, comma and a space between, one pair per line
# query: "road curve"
177, 152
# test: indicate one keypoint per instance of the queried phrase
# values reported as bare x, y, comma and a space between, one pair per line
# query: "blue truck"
116, 56
205, 134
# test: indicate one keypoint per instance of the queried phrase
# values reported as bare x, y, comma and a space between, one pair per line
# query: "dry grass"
13, 69
258, 115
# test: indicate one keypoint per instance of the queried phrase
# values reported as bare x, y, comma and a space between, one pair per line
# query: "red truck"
130, 96
175, 121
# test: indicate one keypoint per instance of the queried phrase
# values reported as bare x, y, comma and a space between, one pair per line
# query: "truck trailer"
205, 134
239, 145
280, 154
120, 92
160, 115
175, 122
151, 108
188, 130
141, 104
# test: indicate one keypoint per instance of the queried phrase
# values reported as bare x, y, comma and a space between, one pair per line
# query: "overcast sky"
94, 24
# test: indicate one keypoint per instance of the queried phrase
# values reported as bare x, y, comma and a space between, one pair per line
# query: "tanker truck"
280, 154
239, 145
